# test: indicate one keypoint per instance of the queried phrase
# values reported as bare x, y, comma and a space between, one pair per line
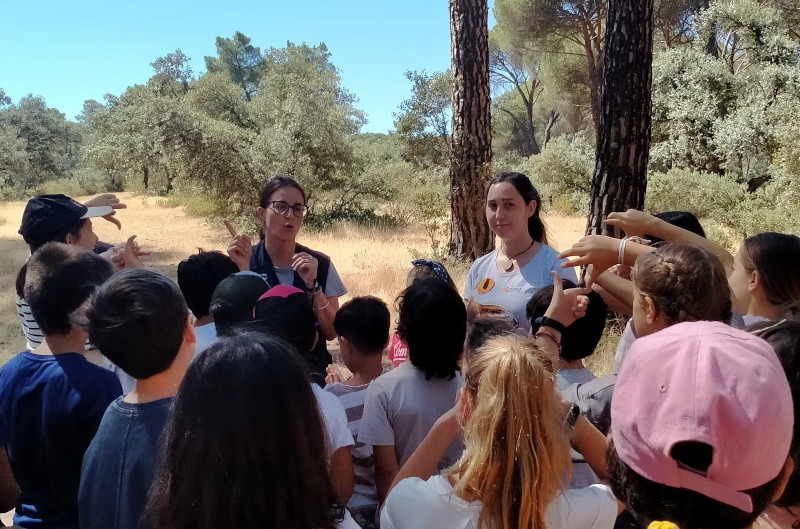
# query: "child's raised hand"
107, 199
633, 222
600, 251
333, 374
131, 254
568, 305
240, 248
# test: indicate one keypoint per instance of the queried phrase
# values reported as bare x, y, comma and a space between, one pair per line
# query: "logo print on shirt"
485, 285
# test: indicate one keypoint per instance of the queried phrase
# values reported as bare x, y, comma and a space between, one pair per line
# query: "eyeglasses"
280, 207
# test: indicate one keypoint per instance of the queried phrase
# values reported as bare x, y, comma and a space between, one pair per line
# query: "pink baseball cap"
704, 382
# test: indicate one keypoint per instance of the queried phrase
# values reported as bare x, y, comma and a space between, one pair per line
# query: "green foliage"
37, 144
422, 121
727, 113
223, 136
562, 173
242, 61
724, 201
85, 181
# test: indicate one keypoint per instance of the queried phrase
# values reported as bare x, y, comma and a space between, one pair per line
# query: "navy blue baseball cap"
47, 215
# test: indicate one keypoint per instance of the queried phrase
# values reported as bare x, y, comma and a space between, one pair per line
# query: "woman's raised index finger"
230, 227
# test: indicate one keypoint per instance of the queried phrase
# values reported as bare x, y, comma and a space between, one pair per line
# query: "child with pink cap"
701, 426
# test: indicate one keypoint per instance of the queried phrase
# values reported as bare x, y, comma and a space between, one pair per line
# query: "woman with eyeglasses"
282, 261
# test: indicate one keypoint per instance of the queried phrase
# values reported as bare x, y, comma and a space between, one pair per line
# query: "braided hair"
685, 282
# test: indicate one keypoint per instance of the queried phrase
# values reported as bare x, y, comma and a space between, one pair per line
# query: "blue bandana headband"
438, 269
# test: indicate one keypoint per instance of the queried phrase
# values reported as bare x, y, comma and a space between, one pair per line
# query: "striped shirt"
33, 334
352, 399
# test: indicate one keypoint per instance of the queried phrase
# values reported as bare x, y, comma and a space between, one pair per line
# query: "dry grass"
370, 261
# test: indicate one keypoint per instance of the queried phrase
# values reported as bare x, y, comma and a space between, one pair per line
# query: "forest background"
726, 118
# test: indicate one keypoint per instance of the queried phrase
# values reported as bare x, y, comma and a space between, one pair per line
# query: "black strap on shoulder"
260, 263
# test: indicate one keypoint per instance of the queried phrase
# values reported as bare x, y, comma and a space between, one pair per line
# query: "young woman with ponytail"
508, 276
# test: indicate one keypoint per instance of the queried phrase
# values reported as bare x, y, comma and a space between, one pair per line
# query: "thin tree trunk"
623, 144
531, 130
471, 143
548, 130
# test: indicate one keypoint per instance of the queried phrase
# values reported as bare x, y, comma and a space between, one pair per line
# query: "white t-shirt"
400, 408
418, 504
348, 522
205, 335
334, 418
512, 290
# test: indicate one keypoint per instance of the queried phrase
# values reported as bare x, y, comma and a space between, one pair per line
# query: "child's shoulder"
340, 388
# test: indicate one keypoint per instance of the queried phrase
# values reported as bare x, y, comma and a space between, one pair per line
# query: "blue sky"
68, 52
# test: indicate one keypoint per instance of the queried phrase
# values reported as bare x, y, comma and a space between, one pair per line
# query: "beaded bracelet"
545, 332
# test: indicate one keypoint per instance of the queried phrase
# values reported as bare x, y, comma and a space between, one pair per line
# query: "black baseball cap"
286, 312
47, 215
235, 297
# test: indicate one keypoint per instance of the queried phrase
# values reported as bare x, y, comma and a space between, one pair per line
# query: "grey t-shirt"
512, 290
582, 474
333, 283
400, 408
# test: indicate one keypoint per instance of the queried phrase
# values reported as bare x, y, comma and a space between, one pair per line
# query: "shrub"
562, 173
85, 181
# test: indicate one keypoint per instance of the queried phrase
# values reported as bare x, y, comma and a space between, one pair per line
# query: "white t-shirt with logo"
512, 290
432, 504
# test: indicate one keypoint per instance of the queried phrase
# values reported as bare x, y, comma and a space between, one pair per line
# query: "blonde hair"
517, 449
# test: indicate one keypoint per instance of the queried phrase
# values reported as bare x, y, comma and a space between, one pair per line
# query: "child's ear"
755, 281
188, 330
650, 309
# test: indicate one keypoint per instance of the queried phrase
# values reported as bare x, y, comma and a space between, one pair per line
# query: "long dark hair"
524, 187
776, 256
275, 183
245, 445
784, 337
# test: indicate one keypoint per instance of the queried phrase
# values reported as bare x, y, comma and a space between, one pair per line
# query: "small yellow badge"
485, 285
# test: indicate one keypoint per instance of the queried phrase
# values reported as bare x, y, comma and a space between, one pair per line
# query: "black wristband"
549, 322
572, 415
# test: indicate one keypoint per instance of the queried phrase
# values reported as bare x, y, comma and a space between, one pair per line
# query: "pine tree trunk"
471, 143
623, 144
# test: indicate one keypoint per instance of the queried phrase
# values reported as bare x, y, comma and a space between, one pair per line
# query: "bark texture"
623, 143
471, 142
